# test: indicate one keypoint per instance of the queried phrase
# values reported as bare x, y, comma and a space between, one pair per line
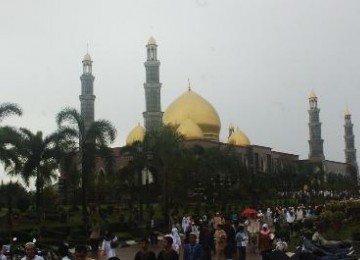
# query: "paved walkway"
128, 253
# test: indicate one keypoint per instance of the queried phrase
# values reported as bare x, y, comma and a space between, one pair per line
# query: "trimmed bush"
338, 216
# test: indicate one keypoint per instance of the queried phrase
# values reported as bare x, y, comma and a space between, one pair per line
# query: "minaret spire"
152, 114
315, 143
350, 151
87, 97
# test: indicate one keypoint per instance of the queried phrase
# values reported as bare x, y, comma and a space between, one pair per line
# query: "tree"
11, 193
166, 147
87, 143
38, 158
7, 137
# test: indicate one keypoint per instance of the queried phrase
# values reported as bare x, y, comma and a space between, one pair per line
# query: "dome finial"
87, 56
189, 85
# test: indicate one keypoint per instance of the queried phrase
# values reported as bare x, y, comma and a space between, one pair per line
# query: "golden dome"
200, 111
190, 130
312, 95
239, 138
136, 135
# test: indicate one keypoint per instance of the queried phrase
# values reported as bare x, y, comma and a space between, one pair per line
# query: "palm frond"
102, 131
7, 109
71, 116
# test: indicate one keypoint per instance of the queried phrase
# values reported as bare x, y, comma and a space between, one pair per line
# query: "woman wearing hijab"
265, 240
176, 239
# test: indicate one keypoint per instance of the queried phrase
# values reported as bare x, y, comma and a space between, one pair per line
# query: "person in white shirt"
290, 218
299, 214
107, 247
30, 252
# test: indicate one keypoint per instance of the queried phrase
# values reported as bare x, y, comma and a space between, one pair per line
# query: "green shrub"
308, 223
356, 235
337, 216
326, 217
283, 232
306, 232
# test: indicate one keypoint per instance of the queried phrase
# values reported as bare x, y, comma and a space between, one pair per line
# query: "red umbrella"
248, 212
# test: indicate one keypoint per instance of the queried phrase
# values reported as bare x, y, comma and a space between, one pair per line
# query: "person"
220, 242
168, 253
177, 240
153, 233
192, 251
108, 245
64, 252
217, 220
81, 253
95, 235
265, 241
2, 256
144, 253
30, 252
205, 240
241, 242
230, 248
290, 218
253, 228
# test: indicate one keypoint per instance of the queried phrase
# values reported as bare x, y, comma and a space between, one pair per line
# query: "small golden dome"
347, 112
312, 95
87, 57
200, 111
151, 41
136, 135
239, 138
190, 130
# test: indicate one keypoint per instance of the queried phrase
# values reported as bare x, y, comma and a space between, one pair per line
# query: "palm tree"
166, 146
87, 143
38, 158
7, 137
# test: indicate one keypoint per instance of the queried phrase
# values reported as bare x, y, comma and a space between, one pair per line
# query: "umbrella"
248, 212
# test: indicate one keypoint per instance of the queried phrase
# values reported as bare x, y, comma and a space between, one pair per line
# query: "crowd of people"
231, 237
217, 237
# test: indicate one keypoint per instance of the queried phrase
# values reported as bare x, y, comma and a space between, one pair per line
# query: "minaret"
152, 114
350, 151
87, 97
315, 142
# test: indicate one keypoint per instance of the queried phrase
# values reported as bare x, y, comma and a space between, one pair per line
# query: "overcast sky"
255, 61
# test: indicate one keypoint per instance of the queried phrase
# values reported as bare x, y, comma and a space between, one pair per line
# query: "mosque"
198, 121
